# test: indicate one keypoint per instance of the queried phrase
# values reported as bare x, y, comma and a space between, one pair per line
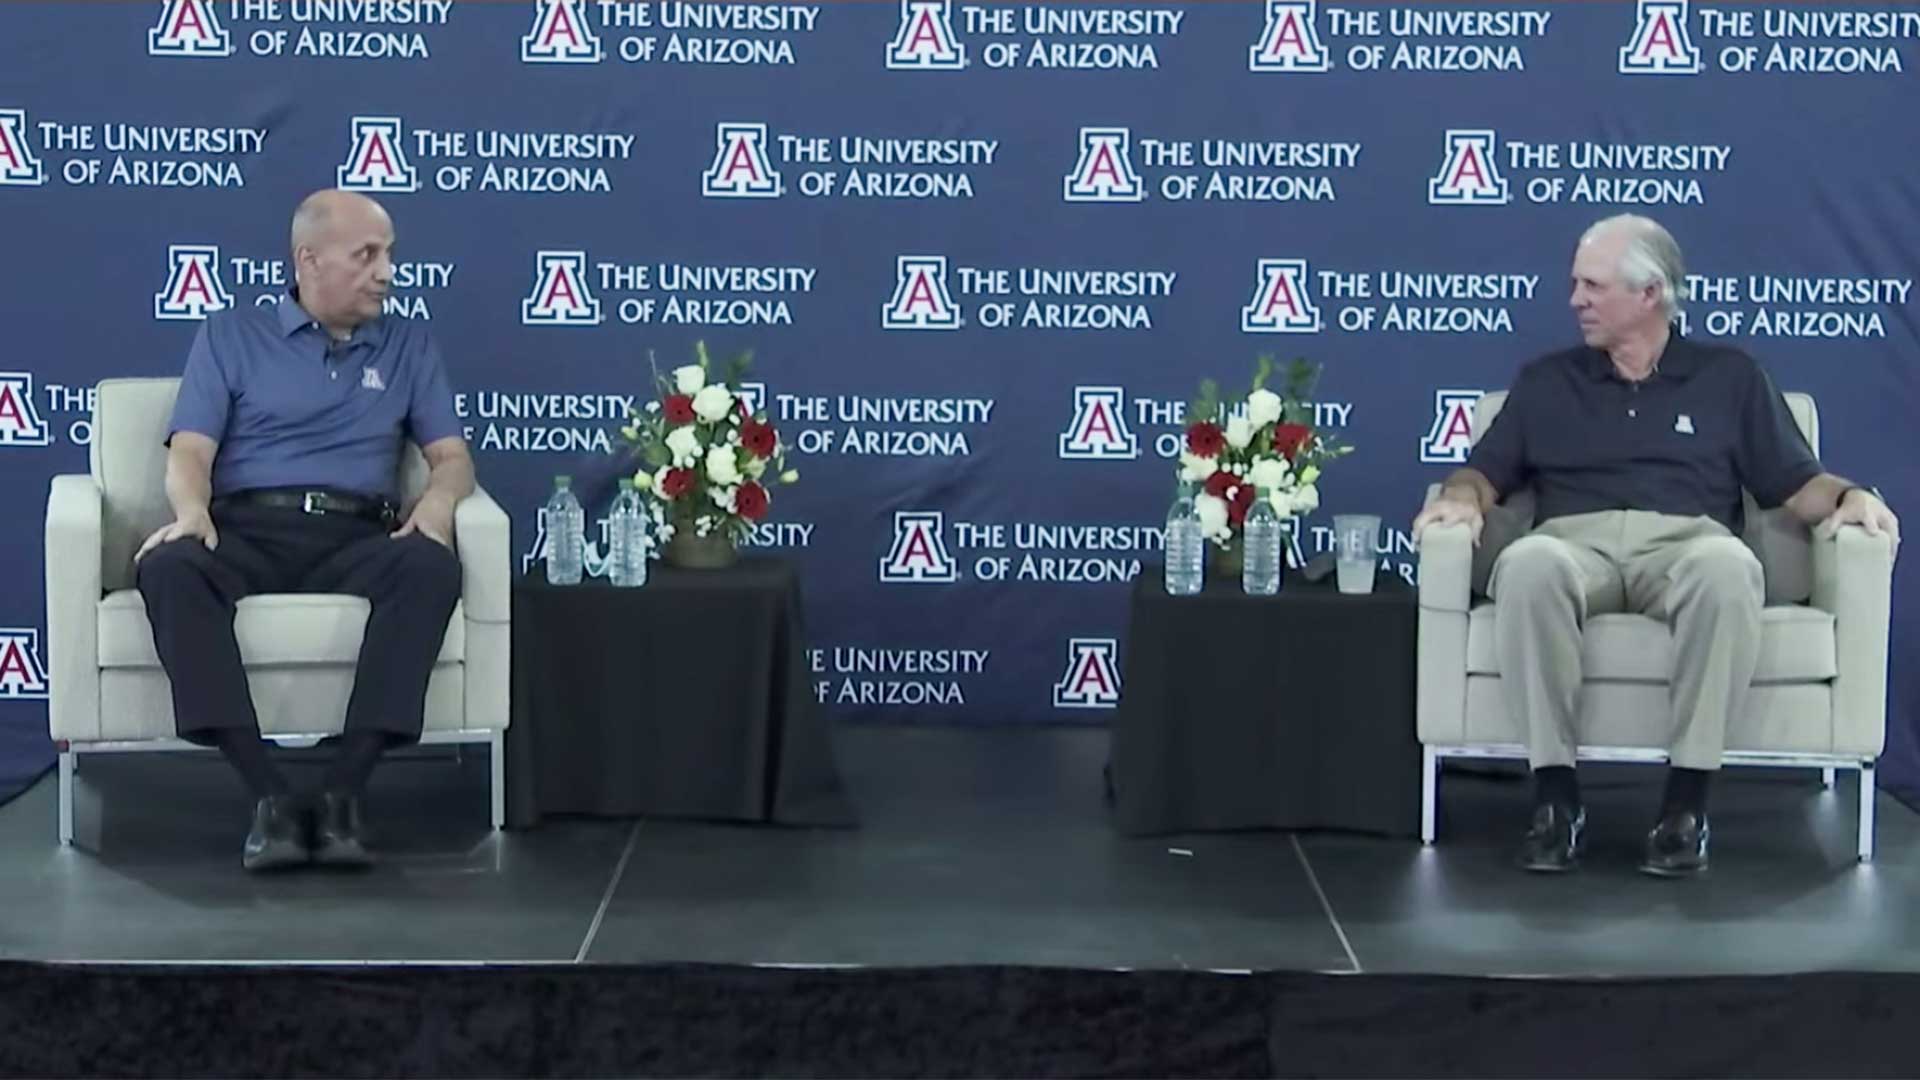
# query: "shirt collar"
294, 318
1679, 360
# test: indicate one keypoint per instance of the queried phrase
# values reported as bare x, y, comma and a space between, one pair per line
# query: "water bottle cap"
626, 483
563, 481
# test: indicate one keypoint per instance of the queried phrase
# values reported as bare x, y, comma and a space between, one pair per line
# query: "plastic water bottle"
1186, 548
1260, 570
566, 534
627, 532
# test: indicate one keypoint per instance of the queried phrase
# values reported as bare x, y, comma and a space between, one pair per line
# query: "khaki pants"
1688, 572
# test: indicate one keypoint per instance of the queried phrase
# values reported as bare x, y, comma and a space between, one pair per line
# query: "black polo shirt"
1685, 440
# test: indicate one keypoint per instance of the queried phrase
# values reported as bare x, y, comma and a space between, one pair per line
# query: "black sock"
1686, 790
359, 751
246, 751
1556, 784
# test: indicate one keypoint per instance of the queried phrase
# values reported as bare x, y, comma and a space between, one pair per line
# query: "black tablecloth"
686, 697
1292, 711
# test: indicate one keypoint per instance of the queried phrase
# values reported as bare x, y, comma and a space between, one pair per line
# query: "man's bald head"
342, 258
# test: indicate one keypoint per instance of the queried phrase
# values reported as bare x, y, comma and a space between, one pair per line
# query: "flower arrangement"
1265, 441
709, 459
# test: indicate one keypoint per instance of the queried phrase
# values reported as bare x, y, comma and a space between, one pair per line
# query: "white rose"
1194, 469
712, 403
1213, 515
689, 379
1263, 407
721, 467
684, 444
1306, 500
1269, 472
1282, 503
1239, 432
724, 497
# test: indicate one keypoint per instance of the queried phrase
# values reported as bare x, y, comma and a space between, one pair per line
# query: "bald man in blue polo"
282, 463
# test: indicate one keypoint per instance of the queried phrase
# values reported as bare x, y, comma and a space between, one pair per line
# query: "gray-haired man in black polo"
282, 459
1637, 446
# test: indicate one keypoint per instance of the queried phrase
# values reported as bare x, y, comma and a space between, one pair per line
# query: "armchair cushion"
273, 629
1796, 645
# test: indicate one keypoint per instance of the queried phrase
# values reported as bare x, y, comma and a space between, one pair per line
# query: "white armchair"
1819, 696
109, 692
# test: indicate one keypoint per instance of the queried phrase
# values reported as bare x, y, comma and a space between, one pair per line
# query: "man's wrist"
1850, 489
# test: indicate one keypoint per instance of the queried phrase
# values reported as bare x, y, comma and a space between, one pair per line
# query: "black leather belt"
317, 501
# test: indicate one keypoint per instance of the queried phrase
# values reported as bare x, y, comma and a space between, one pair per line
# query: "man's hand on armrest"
1462, 501
449, 479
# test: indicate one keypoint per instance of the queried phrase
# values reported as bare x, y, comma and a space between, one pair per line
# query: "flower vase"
690, 551
1227, 562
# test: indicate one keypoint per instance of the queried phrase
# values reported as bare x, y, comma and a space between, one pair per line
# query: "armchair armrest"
73, 539
1446, 566
484, 539
1853, 581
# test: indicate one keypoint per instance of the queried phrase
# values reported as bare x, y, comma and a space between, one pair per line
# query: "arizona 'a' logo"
740, 168
925, 40
1660, 45
1092, 680
193, 289
378, 159
1289, 41
1281, 301
1451, 435
754, 394
560, 35
1469, 176
20, 424
918, 553
22, 675
1104, 172
188, 28
920, 298
1099, 428
17, 163
560, 295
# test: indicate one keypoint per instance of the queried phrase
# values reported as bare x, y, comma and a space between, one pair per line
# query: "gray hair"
1651, 254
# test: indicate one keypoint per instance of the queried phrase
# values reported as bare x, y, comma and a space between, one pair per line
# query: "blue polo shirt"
292, 408
1685, 440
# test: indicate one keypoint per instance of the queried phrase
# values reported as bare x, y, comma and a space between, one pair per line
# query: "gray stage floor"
979, 847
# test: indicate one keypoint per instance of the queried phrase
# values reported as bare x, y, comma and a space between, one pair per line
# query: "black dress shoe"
336, 831
1677, 846
1555, 840
278, 838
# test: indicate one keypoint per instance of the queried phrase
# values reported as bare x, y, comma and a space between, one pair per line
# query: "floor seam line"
1325, 904
606, 898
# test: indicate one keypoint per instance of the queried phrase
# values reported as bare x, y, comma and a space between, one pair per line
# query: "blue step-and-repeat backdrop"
982, 252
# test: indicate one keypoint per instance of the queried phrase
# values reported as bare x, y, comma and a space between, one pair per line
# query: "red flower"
676, 483
751, 501
1242, 502
1205, 439
758, 438
1290, 439
679, 409
1219, 482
